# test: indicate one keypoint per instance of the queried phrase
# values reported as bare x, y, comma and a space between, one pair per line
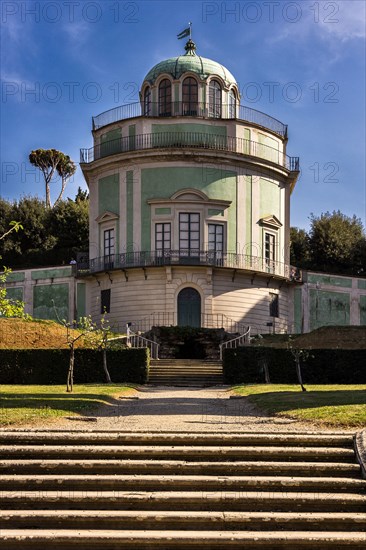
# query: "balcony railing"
200, 110
182, 140
127, 260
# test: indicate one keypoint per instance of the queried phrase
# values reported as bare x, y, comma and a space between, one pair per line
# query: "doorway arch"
189, 307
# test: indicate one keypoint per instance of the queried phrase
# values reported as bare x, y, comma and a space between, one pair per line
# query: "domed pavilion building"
189, 205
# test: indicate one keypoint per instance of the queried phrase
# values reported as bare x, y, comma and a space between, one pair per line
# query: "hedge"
324, 366
50, 366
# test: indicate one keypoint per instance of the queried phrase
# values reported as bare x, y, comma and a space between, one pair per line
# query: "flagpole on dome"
190, 47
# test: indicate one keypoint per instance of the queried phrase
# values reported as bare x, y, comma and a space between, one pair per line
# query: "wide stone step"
322, 454
182, 482
195, 362
168, 520
225, 499
55, 539
114, 437
173, 467
185, 372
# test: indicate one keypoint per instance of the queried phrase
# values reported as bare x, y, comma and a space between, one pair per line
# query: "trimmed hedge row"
324, 366
50, 366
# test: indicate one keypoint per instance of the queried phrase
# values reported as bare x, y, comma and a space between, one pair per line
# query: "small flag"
184, 33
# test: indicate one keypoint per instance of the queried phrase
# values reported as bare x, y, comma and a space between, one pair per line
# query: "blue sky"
302, 62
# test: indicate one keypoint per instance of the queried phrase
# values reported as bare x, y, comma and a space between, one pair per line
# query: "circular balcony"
199, 258
196, 110
189, 140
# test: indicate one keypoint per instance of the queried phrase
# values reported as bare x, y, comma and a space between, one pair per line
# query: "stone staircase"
185, 372
163, 490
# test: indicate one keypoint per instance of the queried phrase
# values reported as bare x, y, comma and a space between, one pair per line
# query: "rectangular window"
162, 237
215, 237
105, 301
270, 251
273, 305
108, 242
189, 234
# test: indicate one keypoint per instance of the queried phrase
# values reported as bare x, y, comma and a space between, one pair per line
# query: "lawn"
331, 405
33, 405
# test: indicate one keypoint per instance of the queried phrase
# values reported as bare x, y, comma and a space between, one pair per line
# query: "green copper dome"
203, 67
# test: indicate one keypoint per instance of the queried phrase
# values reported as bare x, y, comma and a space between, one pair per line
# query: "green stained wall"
15, 277
162, 211
15, 293
184, 127
51, 273
110, 142
248, 213
43, 298
297, 310
188, 134
330, 280
80, 300
129, 210
215, 212
362, 310
132, 136
328, 308
108, 194
160, 183
269, 199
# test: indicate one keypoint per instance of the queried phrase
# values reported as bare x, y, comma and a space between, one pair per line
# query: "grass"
332, 405
34, 405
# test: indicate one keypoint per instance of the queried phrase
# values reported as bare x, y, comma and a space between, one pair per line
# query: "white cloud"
335, 22
344, 19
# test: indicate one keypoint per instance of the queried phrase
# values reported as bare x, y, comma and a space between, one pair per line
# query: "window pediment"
271, 221
107, 216
189, 194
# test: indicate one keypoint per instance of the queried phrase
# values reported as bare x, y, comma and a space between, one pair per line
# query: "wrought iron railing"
182, 140
191, 257
170, 319
134, 340
242, 340
200, 110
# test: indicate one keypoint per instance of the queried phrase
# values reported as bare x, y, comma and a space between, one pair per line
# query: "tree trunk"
266, 372
298, 372
105, 367
70, 374
48, 196
63, 185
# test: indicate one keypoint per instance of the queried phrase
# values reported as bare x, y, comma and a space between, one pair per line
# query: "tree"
50, 236
81, 195
84, 327
100, 339
30, 246
299, 355
299, 249
334, 239
49, 162
69, 224
9, 307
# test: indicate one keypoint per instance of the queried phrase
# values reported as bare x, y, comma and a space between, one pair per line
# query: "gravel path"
161, 408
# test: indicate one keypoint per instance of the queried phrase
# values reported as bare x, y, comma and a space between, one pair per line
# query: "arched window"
190, 96
165, 98
147, 101
232, 104
214, 98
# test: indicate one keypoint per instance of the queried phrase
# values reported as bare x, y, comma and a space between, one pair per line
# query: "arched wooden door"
189, 308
